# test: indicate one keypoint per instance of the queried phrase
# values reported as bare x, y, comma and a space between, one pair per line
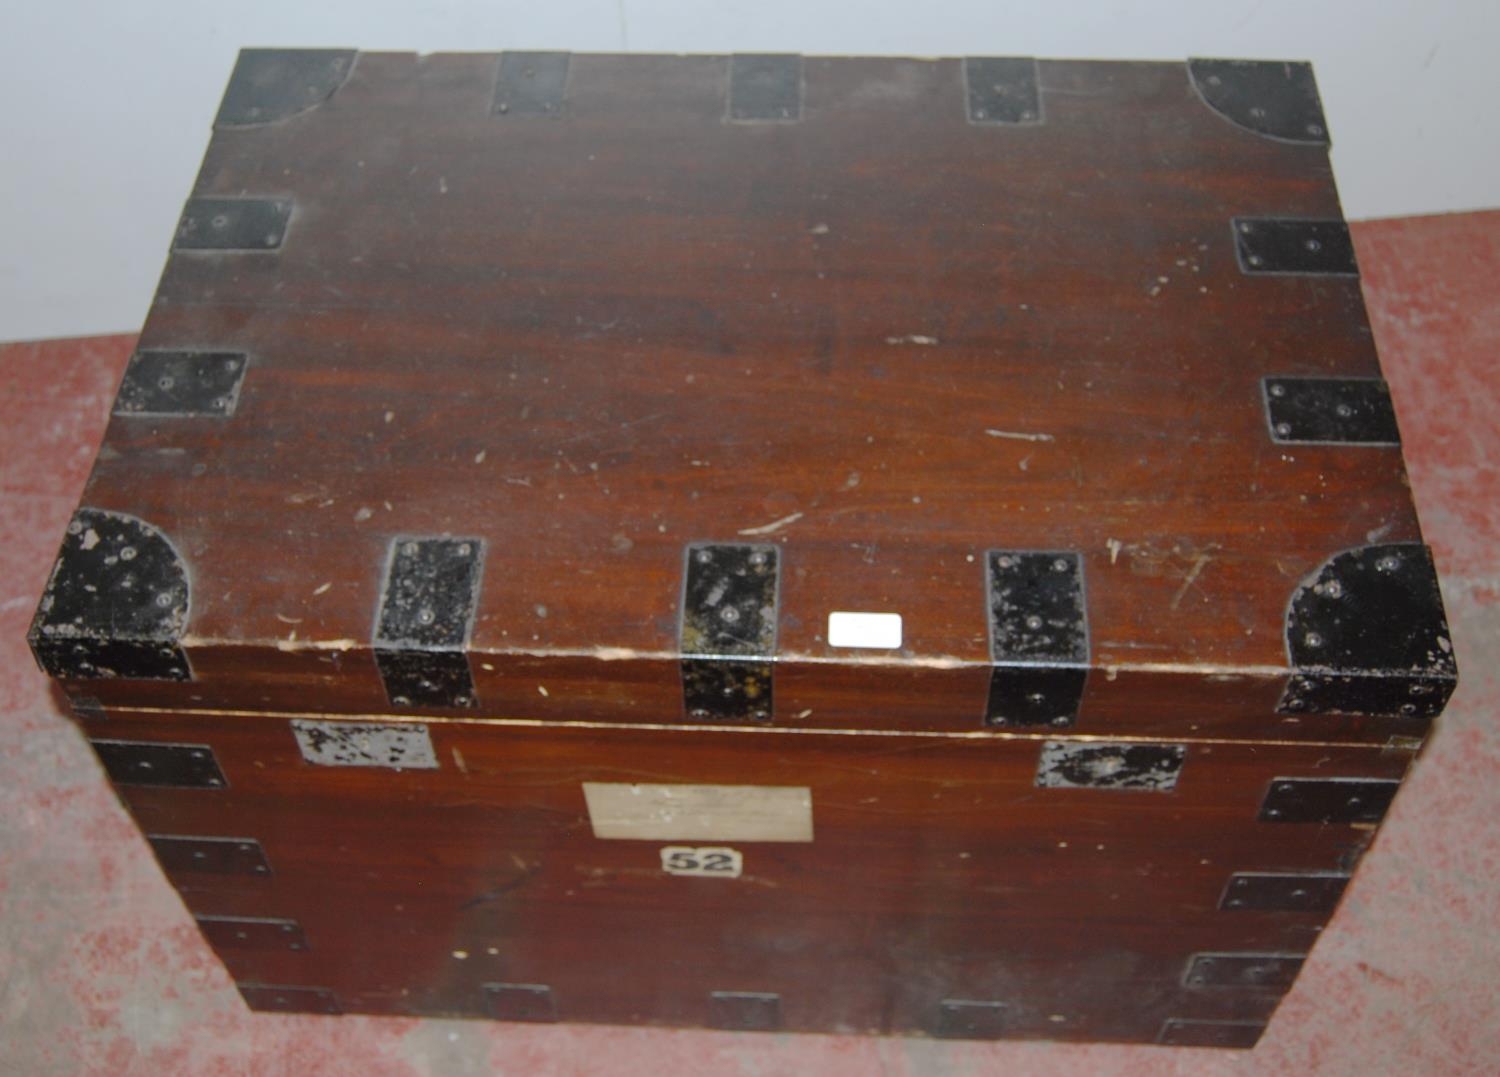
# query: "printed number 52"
713, 861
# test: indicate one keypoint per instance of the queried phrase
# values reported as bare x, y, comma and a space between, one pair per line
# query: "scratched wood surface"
938, 870
883, 337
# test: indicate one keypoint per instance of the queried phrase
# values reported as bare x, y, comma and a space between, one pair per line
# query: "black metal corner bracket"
727, 635
1366, 634
427, 610
1039, 637
116, 604
1274, 99
181, 384
765, 88
531, 84
1331, 411
1002, 90
272, 84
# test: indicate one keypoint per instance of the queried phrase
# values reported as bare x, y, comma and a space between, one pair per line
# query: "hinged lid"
595, 388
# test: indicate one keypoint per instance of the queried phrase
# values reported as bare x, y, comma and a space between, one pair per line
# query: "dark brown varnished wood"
595, 339
938, 870
886, 339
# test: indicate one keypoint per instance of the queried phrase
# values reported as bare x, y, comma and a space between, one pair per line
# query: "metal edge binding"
429, 601
116, 603
531, 83
727, 657
1247, 94
1310, 410
1039, 662
269, 85
765, 87
1014, 96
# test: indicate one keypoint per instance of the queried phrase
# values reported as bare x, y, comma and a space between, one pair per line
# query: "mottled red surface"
102, 972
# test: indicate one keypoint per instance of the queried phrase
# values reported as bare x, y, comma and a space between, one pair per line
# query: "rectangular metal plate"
186, 384
1023, 697
1269, 891
970, 1019
1002, 89
1180, 1032
521, 1002
209, 856
744, 1011
184, 766
531, 84
765, 87
277, 998
1039, 637
729, 611
1328, 800
233, 224
1093, 765
1293, 245
1336, 411
397, 746
1257, 972
251, 933
702, 813
427, 611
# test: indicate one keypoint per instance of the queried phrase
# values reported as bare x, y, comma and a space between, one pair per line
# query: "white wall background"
105, 105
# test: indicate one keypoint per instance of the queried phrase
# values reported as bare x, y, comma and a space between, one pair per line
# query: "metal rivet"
1062, 720
1312, 244
1033, 621
758, 558
219, 221
166, 381
1283, 429
1005, 561
127, 553
1255, 260
1257, 112
1333, 589
1060, 565
1278, 390
164, 599
426, 617
1246, 228
1388, 563
703, 557
1315, 129
1273, 813
729, 614
1313, 639
409, 549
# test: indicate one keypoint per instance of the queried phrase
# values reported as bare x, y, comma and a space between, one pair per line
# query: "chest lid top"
947, 395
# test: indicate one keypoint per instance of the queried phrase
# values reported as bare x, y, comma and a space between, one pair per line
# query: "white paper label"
699, 812
876, 630
702, 861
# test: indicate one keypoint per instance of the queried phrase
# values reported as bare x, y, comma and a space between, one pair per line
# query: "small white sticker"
880, 631
702, 861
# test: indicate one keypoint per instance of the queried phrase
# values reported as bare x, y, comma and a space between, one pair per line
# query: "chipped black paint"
1342, 411
1092, 765
727, 633
427, 611
233, 224
1368, 635
181, 384
1002, 89
209, 856
1327, 800
1285, 891
279, 998
1293, 245
521, 1002
153, 763
1248, 971
531, 84
970, 1019
116, 604
1275, 99
272, 84
252, 933
765, 87
397, 746
1039, 639
744, 1011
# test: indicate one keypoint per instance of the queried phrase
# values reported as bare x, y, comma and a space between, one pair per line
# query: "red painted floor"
101, 972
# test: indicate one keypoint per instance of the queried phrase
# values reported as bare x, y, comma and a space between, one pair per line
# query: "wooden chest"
847, 545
